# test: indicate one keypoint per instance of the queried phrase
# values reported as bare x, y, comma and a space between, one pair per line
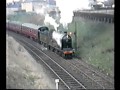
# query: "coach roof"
31, 25
15, 22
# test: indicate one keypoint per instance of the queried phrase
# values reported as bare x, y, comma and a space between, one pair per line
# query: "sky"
56, 0
68, 6
8, 1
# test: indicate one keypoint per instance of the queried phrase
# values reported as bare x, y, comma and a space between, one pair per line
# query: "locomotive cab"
43, 29
43, 35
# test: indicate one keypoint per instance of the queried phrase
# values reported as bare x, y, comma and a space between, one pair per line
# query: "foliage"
27, 18
95, 41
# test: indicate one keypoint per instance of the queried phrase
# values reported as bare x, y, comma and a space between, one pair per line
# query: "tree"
108, 2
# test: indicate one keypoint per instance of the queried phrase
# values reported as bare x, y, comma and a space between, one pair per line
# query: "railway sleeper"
62, 74
70, 81
73, 83
76, 87
67, 56
66, 78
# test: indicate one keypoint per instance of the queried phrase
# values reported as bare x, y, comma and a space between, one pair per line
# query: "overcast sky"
56, 0
8, 1
11, 0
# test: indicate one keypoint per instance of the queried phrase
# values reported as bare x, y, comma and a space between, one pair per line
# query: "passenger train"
60, 43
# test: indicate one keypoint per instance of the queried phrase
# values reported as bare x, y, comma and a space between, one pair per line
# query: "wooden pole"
75, 36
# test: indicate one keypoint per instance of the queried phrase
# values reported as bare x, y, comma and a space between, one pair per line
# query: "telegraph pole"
75, 36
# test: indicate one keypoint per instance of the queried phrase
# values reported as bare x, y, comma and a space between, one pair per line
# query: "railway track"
94, 76
80, 63
89, 77
65, 77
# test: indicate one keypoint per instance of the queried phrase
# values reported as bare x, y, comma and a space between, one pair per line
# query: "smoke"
50, 21
40, 11
68, 6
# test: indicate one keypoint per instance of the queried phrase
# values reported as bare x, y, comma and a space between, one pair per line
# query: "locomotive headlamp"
70, 33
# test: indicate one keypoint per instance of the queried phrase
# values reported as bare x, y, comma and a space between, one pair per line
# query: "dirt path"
22, 71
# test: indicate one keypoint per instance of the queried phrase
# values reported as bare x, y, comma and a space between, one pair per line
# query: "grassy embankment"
95, 43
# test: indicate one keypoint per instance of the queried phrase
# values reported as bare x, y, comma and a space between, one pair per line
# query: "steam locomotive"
60, 43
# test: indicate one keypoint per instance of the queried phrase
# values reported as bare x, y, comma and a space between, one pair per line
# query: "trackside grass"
95, 42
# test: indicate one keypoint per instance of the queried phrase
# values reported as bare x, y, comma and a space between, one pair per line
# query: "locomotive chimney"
65, 32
